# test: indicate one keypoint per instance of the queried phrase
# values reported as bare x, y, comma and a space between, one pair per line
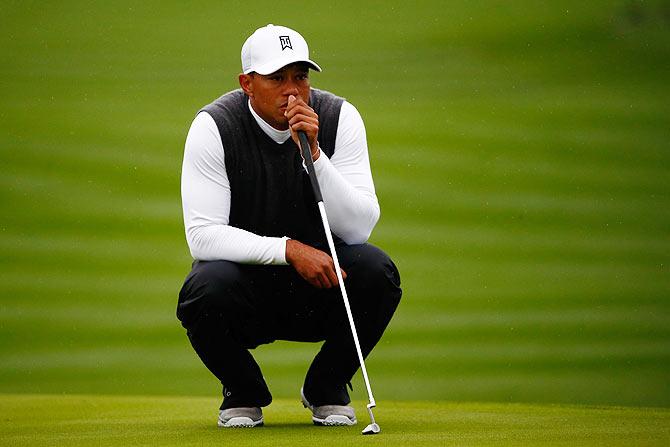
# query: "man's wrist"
289, 250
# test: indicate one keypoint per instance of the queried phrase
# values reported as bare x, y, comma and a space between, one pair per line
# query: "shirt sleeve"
346, 181
205, 192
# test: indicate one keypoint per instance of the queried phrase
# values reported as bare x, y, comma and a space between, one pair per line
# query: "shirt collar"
278, 136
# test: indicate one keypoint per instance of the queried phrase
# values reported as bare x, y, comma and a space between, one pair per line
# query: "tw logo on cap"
285, 42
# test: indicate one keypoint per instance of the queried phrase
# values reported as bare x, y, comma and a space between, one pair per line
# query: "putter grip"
309, 162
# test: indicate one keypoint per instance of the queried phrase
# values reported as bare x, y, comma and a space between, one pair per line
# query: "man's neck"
277, 135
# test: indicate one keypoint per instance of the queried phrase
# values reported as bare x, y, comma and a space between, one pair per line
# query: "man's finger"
301, 115
332, 276
315, 281
295, 101
323, 282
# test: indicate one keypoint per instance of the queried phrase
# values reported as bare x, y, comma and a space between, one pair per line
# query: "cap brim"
277, 64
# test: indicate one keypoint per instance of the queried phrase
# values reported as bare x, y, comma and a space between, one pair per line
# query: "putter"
373, 427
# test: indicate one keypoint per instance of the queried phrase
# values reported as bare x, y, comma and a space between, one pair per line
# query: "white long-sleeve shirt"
346, 185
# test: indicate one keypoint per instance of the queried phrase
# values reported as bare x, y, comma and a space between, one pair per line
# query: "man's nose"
291, 88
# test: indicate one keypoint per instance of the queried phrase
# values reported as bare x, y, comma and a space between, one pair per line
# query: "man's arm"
205, 192
346, 181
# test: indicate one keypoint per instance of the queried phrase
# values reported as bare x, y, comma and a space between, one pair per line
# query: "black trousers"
229, 308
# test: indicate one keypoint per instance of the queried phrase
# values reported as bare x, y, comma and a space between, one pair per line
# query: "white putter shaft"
373, 427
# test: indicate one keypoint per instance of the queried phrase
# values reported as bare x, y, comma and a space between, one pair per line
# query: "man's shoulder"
225, 104
324, 96
326, 104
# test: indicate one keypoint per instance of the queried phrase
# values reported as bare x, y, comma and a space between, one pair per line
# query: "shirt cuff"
280, 253
320, 163
316, 162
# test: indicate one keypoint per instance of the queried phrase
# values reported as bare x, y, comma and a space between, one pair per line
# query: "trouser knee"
215, 297
375, 277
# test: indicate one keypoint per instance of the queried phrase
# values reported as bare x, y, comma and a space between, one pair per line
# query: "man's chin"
280, 124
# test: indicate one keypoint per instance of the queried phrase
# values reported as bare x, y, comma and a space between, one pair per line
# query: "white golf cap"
272, 47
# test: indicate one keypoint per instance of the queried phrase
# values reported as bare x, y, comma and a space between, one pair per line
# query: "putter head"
371, 429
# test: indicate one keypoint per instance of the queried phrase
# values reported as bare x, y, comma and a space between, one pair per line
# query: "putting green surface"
133, 421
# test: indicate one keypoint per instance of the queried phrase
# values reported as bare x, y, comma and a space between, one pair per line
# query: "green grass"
167, 421
521, 158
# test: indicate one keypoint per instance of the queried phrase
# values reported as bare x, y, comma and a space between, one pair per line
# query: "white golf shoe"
330, 415
241, 417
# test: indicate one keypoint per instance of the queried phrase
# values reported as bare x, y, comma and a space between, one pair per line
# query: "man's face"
269, 93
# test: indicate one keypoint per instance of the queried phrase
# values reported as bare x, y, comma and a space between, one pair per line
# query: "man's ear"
246, 84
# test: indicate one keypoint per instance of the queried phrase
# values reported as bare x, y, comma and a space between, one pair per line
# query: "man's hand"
315, 266
302, 117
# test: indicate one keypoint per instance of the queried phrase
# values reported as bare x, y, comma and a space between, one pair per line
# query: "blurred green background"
521, 157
